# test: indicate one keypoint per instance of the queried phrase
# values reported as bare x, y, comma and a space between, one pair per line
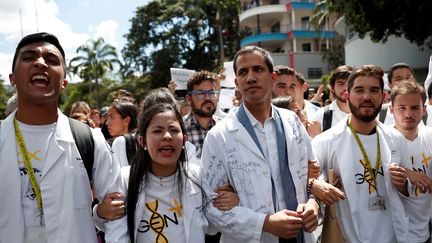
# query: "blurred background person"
122, 118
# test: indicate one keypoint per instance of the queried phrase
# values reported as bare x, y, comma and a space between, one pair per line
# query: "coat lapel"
242, 136
62, 139
345, 142
193, 197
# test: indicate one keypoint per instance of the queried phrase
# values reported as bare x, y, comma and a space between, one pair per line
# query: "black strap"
327, 119
131, 145
85, 144
383, 113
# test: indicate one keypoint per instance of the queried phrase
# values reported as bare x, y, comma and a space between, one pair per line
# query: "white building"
282, 27
395, 50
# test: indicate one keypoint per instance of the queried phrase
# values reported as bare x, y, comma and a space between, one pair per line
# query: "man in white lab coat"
47, 194
262, 152
359, 150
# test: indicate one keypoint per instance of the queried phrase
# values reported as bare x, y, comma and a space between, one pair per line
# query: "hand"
313, 128
171, 87
399, 177
309, 214
319, 94
111, 208
421, 180
326, 192
284, 224
226, 199
313, 169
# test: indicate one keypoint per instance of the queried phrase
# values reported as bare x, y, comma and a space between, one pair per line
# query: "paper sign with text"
180, 77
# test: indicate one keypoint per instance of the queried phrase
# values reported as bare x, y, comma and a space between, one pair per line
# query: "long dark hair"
141, 165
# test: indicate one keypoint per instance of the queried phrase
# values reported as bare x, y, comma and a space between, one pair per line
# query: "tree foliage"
168, 33
383, 18
93, 63
4, 96
335, 55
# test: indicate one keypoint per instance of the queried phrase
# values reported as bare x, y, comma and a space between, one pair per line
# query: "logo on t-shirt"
367, 176
159, 221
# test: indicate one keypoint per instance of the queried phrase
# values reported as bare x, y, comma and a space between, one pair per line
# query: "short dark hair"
198, 77
250, 49
398, 66
300, 77
369, 70
407, 87
284, 70
341, 72
39, 37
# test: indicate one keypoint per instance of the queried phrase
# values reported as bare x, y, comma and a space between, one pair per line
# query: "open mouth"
166, 149
40, 80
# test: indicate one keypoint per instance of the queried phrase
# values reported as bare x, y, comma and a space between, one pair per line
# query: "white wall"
364, 51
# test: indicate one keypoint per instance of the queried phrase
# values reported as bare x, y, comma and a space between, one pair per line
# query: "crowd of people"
264, 171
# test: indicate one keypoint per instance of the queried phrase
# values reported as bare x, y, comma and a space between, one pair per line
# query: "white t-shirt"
418, 205
36, 139
163, 215
337, 115
373, 225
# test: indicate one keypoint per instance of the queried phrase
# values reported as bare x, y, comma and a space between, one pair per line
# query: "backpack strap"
383, 113
131, 145
85, 144
327, 119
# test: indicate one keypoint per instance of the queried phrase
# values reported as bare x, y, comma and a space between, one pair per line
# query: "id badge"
376, 203
35, 234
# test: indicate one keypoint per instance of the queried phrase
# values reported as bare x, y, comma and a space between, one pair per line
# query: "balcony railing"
256, 3
278, 28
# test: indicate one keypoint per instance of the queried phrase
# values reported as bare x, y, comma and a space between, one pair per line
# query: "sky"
72, 21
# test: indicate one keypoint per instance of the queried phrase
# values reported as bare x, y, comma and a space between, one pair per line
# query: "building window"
323, 47
305, 22
314, 73
275, 28
306, 47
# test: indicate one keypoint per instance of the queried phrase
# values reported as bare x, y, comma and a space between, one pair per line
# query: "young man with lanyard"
48, 195
262, 152
408, 107
359, 150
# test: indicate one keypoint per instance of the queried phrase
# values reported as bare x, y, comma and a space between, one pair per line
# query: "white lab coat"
332, 149
64, 185
195, 223
230, 156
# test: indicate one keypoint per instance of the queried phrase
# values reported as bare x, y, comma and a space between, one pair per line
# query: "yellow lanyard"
365, 156
28, 164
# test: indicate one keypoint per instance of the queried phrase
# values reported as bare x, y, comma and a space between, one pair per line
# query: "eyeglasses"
201, 94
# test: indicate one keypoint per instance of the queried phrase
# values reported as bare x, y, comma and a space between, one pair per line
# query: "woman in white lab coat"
164, 197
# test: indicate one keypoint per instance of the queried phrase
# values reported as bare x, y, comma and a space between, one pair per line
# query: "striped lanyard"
365, 156
28, 165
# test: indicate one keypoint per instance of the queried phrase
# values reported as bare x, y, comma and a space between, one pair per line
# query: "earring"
145, 148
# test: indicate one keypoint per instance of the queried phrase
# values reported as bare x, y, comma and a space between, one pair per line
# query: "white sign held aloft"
180, 77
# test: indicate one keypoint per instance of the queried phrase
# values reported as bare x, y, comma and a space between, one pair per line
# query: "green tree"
4, 96
94, 62
383, 18
335, 55
184, 33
